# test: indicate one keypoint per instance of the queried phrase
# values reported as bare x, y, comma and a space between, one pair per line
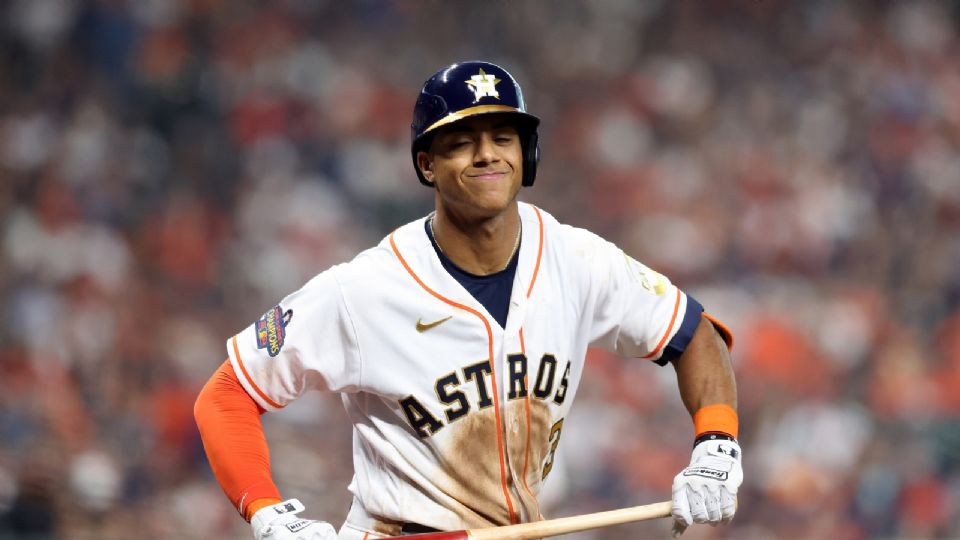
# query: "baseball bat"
554, 527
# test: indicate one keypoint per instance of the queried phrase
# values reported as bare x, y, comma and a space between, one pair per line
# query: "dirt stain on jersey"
472, 462
387, 528
528, 460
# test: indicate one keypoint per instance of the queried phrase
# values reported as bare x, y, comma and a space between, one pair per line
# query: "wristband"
716, 419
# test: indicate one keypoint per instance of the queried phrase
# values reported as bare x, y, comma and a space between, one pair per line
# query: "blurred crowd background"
169, 169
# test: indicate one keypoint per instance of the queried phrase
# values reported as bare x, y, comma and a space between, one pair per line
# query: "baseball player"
458, 343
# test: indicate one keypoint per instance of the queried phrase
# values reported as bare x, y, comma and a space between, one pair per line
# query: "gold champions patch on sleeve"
271, 329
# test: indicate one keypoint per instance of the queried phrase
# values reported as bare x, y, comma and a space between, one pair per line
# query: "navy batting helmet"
468, 89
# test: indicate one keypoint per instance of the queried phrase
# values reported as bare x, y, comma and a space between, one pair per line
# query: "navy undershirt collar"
492, 291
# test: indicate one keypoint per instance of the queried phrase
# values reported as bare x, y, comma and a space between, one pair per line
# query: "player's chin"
498, 195
493, 203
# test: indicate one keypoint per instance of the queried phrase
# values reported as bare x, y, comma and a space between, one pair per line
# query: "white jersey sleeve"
635, 311
306, 342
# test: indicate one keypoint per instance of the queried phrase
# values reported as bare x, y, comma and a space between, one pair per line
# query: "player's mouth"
488, 176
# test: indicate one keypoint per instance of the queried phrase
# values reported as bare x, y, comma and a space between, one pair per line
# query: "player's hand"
280, 522
706, 491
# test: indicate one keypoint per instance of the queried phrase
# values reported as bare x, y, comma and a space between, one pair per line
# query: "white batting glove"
706, 491
280, 522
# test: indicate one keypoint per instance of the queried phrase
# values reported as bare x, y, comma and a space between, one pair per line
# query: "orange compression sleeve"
233, 438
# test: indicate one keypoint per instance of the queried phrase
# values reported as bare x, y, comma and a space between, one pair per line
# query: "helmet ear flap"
531, 156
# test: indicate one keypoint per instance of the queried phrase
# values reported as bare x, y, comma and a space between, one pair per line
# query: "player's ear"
425, 164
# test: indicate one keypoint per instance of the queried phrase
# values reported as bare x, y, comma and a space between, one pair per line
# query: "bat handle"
558, 526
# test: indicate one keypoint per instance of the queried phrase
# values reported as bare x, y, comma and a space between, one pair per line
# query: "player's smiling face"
476, 165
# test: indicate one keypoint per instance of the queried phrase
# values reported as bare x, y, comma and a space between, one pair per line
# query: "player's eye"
459, 142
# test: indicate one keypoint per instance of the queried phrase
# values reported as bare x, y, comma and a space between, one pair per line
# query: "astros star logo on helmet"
483, 85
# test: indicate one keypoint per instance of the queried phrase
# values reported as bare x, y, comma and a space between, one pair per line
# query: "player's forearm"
704, 372
706, 491
233, 438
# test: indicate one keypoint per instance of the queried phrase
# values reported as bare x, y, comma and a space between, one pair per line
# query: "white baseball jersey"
456, 420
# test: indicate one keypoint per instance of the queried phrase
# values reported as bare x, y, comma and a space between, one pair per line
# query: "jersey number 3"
553, 441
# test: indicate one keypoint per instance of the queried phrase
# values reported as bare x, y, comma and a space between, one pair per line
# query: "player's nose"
486, 150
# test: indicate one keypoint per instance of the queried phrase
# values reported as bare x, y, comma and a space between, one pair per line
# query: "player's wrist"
263, 519
259, 504
713, 436
280, 521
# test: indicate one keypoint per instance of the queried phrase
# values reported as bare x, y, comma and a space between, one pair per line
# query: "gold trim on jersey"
480, 381
455, 398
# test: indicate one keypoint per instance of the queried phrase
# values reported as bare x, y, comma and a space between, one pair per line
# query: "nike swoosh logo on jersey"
423, 327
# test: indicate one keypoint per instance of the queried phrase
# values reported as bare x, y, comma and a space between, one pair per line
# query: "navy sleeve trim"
680, 340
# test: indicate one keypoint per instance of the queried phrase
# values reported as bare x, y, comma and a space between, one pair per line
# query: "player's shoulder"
564, 239
382, 262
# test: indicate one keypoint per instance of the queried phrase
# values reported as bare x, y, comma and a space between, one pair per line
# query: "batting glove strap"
706, 491
280, 522
713, 436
